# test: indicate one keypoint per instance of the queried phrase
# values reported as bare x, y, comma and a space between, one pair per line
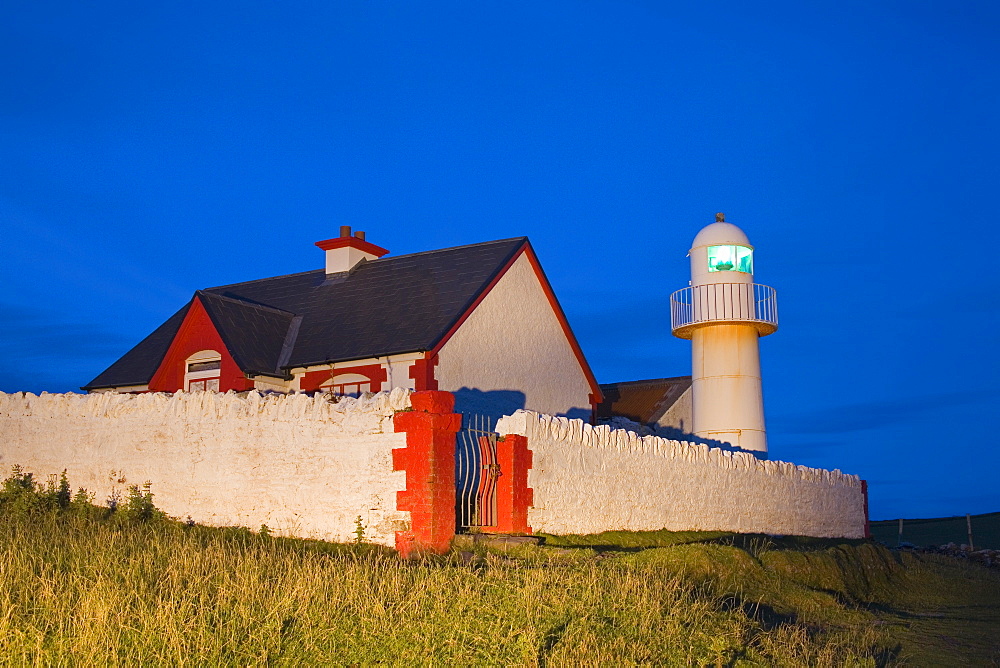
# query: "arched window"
203, 371
347, 385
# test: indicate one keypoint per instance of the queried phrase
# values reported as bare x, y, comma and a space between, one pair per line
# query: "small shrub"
82, 498
359, 531
138, 505
18, 482
57, 493
114, 500
82, 504
20, 493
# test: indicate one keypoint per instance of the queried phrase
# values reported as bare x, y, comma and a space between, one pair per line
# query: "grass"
946, 612
941, 530
930, 609
81, 585
89, 591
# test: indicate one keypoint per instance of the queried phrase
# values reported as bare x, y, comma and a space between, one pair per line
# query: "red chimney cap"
352, 242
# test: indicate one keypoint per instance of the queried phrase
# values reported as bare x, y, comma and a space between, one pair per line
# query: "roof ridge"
257, 280
242, 302
444, 250
648, 380
288, 345
380, 260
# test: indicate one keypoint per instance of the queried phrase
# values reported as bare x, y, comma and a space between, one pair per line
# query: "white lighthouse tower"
724, 313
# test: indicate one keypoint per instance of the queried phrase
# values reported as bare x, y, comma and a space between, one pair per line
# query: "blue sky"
151, 149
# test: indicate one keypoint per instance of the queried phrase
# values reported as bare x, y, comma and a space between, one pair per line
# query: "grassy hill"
85, 585
941, 530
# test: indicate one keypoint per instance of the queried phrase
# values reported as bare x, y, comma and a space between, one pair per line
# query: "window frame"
736, 257
349, 384
202, 380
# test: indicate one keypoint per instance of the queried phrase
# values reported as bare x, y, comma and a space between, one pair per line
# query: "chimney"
345, 251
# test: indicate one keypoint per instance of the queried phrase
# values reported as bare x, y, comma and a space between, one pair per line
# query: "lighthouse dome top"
720, 233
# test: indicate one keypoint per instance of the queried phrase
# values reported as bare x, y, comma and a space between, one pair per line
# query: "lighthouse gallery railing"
724, 302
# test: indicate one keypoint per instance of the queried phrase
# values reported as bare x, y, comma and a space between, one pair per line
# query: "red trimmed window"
349, 381
203, 371
347, 385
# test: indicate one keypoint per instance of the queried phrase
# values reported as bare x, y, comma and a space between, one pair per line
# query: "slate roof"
644, 401
254, 335
137, 366
381, 307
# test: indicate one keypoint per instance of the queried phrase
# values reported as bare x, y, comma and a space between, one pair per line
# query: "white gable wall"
513, 343
678, 416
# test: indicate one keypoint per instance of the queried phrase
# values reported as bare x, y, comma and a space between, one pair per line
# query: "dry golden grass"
81, 585
81, 590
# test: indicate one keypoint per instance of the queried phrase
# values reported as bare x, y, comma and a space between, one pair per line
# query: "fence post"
429, 462
868, 524
512, 491
968, 525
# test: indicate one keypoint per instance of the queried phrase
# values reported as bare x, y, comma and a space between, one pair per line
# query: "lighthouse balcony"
723, 303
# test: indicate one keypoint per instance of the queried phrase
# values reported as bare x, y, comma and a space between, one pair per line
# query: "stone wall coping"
268, 406
536, 425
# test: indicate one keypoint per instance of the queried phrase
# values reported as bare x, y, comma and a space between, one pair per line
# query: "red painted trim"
595, 401
429, 462
479, 300
553, 302
567, 330
201, 380
514, 497
352, 242
196, 333
868, 526
422, 372
375, 373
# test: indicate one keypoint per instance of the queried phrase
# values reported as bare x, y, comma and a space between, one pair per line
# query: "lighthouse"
724, 314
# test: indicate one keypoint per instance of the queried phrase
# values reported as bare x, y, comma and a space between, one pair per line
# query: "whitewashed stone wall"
591, 479
301, 465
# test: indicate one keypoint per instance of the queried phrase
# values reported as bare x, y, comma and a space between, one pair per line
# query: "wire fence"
984, 531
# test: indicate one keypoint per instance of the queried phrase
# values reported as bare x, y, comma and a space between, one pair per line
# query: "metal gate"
476, 473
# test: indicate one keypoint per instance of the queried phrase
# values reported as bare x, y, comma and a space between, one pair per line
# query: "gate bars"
476, 473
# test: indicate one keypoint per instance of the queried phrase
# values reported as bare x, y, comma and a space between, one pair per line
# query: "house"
480, 321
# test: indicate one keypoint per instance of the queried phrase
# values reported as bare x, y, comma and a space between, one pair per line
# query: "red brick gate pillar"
429, 462
513, 494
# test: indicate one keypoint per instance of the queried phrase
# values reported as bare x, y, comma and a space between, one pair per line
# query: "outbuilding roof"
386, 306
644, 401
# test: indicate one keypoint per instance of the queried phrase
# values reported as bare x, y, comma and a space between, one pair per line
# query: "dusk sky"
151, 149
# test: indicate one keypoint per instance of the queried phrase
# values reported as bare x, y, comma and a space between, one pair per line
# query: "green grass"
941, 530
80, 585
929, 610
